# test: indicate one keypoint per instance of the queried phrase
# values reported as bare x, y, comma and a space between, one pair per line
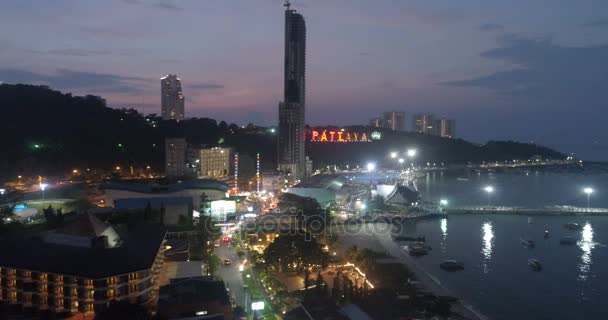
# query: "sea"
496, 280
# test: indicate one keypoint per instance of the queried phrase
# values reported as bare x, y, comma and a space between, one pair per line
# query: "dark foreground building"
81, 267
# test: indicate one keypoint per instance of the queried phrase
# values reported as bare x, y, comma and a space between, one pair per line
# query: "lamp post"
411, 152
588, 191
42, 188
371, 167
393, 155
489, 190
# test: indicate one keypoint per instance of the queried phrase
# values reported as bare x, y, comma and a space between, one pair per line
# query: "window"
132, 288
133, 276
111, 293
111, 280
44, 277
59, 278
44, 299
43, 287
59, 290
90, 307
59, 303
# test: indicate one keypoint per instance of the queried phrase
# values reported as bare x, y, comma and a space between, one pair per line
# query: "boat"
526, 242
417, 251
462, 179
530, 220
534, 264
572, 226
567, 240
546, 234
451, 265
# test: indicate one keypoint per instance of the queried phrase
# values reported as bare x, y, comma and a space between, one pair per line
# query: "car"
227, 262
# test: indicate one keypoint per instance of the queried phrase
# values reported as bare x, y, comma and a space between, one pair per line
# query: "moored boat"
534, 264
572, 226
567, 240
451, 265
526, 242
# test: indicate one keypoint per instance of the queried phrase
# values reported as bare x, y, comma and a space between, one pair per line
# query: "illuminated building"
446, 128
424, 123
343, 135
394, 120
291, 157
376, 122
81, 267
175, 157
172, 99
216, 162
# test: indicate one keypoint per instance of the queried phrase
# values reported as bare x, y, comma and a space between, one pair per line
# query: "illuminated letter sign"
343, 136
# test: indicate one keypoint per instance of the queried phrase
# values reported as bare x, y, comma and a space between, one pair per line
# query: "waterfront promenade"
548, 210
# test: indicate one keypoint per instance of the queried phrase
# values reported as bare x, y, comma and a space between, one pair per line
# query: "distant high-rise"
424, 123
175, 157
291, 157
376, 122
394, 120
445, 128
172, 99
217, 162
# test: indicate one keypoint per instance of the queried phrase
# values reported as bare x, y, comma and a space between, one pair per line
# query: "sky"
525, 70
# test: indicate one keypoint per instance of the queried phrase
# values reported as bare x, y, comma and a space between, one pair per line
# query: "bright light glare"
489, 189
411, 152
588, 190
371, 166
393, 155
43, 186
401, 160
363, 206
443, 202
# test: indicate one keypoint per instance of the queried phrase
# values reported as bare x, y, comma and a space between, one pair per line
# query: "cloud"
205, 86
168, 6
66, 79
546, 71
78, 52
600, 23
491, 27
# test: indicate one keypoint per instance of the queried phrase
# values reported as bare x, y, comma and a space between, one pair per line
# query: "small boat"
546, 234
417, 251
567, 240
534, 264
462, 179
530, 220
451, 265
526, 242
572, 226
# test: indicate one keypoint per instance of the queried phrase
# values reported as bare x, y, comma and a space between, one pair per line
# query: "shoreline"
430, 282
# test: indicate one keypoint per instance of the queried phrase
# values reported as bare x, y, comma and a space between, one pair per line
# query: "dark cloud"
546, 71
205, 86
73, 80
491, 27
600, 23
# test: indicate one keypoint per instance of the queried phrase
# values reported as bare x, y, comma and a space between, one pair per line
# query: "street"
230, 273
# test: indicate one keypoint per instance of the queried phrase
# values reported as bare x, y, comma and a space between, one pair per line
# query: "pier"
550, 210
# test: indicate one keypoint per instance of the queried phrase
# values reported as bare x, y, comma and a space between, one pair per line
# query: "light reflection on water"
586, 244
486, 250
444, 234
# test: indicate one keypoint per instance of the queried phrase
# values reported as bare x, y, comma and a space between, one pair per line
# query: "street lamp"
411, 153
588, 191
371, 166
489, 190
401, 160
393, 155
42, 188
443, 202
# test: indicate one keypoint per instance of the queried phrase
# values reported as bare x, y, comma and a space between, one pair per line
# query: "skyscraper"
291, 157
376, 123
175, 157
394, 120
424, 123
172, 99
446, 128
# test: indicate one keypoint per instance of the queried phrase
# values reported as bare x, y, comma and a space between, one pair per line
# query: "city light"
588, 191
393, 155
401, 160
371, 166
363, 206
43, 186
489, 189
443, 202
411, 153
2, 191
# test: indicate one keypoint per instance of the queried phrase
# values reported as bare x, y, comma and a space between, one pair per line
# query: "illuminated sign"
342, 136
259, 305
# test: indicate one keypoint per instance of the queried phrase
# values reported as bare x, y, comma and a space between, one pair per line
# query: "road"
230, 274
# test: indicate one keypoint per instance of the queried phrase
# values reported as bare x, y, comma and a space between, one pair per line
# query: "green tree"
294, 252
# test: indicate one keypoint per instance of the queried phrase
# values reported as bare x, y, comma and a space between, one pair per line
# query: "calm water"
536, 189
497, 280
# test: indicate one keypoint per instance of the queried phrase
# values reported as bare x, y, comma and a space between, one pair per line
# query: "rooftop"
160, 189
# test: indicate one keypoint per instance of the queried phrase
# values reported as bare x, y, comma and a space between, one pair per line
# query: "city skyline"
505, 71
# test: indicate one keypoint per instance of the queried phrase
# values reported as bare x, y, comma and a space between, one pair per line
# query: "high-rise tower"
172, 99
291, 157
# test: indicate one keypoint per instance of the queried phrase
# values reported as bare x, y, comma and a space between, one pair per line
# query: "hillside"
49, 132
